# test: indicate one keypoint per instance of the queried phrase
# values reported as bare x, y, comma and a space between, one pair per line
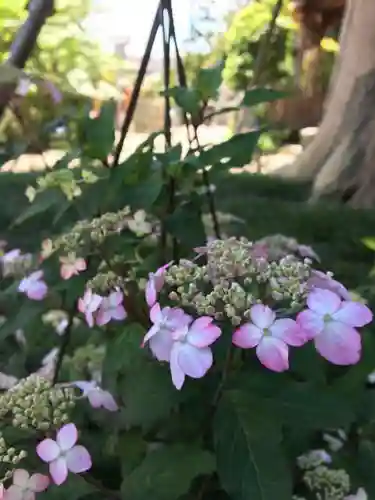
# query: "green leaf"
43, 202
98, 135
262, 95
369, 243
186, 224
235, 152
167, 473
145, 193
154, 397
250, 459
186, 99
22, 319
75, 488
208, 81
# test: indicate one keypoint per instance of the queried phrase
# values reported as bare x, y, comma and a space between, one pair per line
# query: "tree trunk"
341, 159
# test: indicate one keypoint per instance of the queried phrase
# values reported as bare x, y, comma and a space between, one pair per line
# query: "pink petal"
81, 265
89, 319
353, 314
48, 450
58, 470
194, 362
156, 314
67, 437
311, 323
84, 386
322, 280
115, 298
13, 493
161, 345
21, 478
273, 354
95, 302
151, 294
37, 291
119, 313
81, 305
203, 333
323, 301
78, 459
339, 343
262, 316
103, 317
178, 376
38, 482
109, 402
67, 271
36, 276
247, 336
289, 331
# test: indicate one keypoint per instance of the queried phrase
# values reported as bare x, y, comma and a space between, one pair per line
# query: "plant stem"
64, 344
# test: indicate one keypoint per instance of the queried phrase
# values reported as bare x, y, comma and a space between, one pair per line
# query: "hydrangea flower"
11, 256
98, 398
25, 486
155, 284
71, 266
111, 308
64, 455
88, 305
33, 286
191, 354
270, 336
331, 322
324, 281
165, 321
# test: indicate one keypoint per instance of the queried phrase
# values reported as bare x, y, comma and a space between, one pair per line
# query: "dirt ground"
207, 134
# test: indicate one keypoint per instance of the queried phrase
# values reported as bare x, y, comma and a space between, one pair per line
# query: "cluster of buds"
233, 279
104, 282
10, 457
34, 403
87, 359
277, 246
273, 305
15, 263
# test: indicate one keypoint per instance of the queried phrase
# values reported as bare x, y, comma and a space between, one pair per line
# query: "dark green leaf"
186, 99
235, 152
43, 202
98, 135
23, 318
250, 459
186, 224
167, 473
145, 193
74, 489
262, 95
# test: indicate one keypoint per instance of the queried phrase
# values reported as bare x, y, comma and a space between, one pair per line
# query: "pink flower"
260, 251
71, 266
330, 322
24, 487
64, 455
111, 308
97, 397
322, 280
191, 354
155, 284
165, 321
34, 286
270, 336
89, 304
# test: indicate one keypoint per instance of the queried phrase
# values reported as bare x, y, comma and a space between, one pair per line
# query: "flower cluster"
34, 403
276, 305
277, 246
101, 310
15, 263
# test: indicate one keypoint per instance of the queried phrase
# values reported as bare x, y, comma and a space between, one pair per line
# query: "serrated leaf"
250, 460
167, 473
208, 81
185, 98
262, 95
98, 135
154, 397
235, 152
43, 202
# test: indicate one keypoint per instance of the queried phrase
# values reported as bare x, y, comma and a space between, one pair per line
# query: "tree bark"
341, 159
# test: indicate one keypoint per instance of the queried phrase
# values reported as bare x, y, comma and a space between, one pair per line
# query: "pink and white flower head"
155, 284
191, 354
111, 308
33, 286
331, 322
25, 487
98, 398
271, 337
64, 455
322, 280
165, 321
88, 305
11, 256
71, 266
